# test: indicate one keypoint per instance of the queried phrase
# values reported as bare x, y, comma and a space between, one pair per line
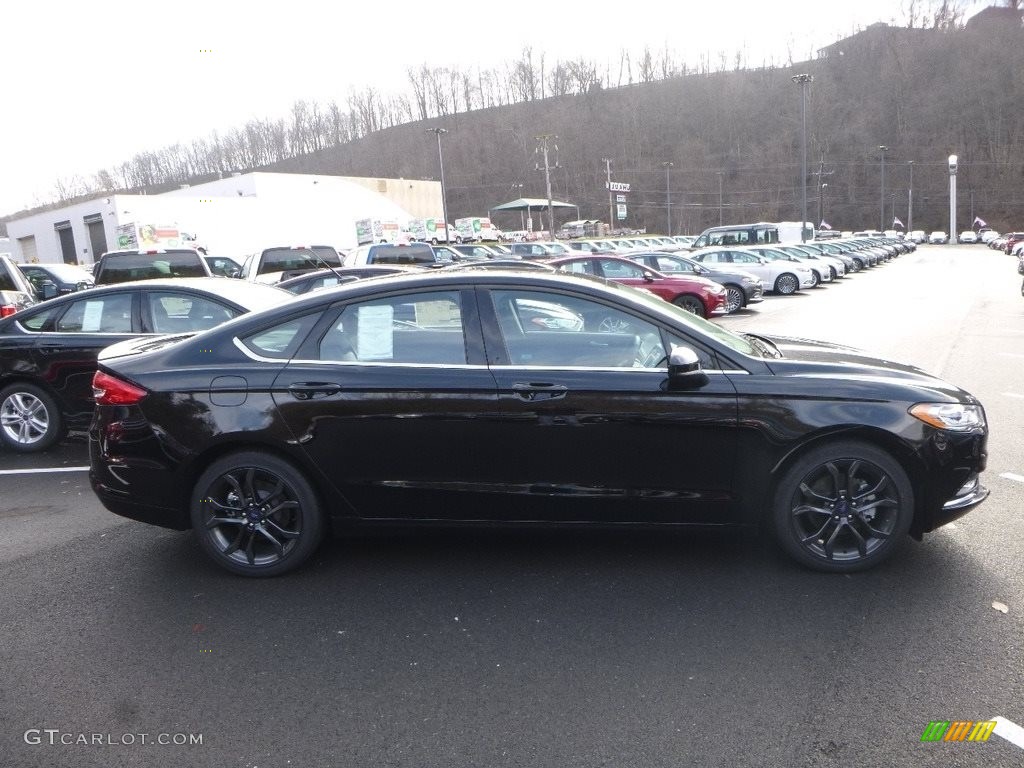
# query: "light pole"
440, 161
910, 198
668, 197
952, 198
719, 198
803, 80
881, 227
822, 186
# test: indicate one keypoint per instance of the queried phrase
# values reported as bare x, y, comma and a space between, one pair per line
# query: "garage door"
28, 249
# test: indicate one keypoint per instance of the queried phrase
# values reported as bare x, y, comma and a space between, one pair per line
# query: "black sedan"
741, 288
48, 353
436, 398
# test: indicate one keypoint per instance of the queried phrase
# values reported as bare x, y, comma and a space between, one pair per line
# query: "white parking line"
44, 470
1011, 476
1009, 730
1012, 394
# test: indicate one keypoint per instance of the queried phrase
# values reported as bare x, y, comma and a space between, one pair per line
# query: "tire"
843, 507
786, 284
833, 272
816, 279
433, 241
735, 299
30, 420
858, 264
236, 526
690, 304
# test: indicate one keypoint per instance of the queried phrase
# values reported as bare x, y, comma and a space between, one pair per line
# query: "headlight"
956, 417
749, 280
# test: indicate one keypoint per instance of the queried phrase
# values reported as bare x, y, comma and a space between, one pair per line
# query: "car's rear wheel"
30, 419
256, 515
734, 298
786, 284
842, 507
690, 304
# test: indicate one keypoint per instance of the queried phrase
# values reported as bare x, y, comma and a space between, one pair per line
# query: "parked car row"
48, 351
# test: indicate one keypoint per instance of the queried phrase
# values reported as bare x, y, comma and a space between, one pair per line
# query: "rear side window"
281, 341
123, 268
101, 314
37, 321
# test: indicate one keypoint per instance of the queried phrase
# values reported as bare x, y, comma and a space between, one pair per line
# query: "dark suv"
125, 266
15, 291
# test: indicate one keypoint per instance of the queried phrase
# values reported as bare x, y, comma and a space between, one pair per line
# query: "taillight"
7, 310
110, 390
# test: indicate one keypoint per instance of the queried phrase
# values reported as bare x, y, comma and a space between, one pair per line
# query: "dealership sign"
617, 186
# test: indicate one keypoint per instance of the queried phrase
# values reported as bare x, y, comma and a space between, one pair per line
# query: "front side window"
101, 314
612, 268
562, 331
173, 312
424, 328
668, 264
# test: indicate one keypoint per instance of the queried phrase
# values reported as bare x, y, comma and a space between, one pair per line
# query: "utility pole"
821, 174
543, 146
608, 184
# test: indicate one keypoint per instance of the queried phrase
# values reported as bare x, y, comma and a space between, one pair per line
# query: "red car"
1011, 240
694, 294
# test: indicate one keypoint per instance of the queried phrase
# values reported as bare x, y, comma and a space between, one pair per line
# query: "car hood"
806, 357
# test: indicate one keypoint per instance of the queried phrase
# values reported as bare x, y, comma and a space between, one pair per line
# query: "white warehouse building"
233, 216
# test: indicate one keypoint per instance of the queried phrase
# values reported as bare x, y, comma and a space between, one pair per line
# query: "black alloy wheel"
843, 507
30, 419
690, 304
256, 515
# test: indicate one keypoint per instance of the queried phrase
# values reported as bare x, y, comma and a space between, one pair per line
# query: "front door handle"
533, 391
307, 390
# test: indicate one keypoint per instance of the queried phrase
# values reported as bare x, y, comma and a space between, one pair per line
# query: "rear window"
122, 268
418, 253
291, 259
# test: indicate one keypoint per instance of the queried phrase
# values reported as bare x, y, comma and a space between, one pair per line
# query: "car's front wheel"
843, 506
786, 284
690, 304
30, 419
256, 515
734, 298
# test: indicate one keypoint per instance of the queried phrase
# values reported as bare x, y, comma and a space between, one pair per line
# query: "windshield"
69, 273
122, 268
291, 259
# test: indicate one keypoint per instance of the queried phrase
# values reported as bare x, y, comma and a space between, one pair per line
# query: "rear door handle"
307, 390
534, 391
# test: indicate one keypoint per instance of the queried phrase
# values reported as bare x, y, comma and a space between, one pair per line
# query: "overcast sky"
89, 84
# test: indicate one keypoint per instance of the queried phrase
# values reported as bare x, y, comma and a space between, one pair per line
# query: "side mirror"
49, 290
684, 371
648, 276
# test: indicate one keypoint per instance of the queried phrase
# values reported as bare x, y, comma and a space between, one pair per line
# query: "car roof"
239, 292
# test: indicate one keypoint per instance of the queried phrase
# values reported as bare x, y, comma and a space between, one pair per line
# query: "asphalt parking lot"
558, 648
